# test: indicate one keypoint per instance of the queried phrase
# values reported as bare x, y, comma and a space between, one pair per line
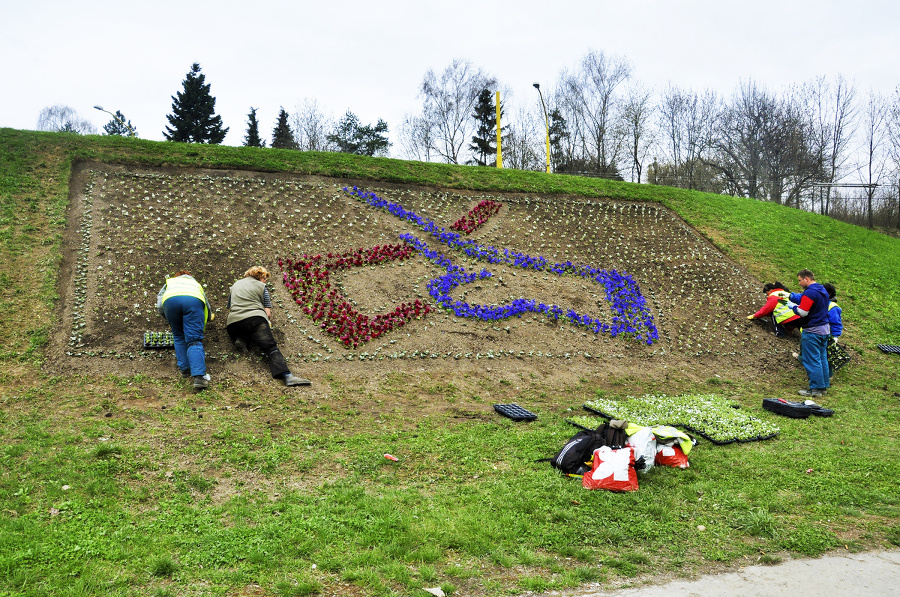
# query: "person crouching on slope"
783, 318
182, 302
250, 309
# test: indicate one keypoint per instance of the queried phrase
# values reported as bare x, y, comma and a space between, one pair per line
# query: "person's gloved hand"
750, 317
783, 295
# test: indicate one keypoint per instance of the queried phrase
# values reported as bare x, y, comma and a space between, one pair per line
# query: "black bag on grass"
579, 450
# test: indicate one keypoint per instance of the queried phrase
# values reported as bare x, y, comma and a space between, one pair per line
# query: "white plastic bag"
644, 443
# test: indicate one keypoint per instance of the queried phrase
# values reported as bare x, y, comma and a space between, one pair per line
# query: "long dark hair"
776, 285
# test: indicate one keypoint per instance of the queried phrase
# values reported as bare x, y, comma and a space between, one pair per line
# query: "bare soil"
129, 229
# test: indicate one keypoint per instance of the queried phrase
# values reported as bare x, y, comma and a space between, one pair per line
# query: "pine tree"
252, 139
282, 136
484, 143
193, 117
559, 134
119, 126
350, 136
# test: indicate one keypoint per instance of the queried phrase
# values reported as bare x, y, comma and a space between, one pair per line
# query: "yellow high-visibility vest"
186, 286
782, 312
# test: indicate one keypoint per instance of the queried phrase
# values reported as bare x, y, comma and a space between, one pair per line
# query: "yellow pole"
499, 149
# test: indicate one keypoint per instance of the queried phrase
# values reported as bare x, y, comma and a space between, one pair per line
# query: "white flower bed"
717, 419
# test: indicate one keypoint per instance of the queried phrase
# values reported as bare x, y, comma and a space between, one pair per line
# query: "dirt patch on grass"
129, 229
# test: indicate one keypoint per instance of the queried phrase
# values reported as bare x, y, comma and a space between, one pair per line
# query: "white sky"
370, 56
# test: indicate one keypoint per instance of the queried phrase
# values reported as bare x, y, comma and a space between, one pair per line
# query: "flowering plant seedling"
158, 340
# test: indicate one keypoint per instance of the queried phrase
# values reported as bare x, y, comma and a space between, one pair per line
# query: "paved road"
874, 573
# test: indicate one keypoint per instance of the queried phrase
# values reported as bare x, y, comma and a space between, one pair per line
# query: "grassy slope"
448, 530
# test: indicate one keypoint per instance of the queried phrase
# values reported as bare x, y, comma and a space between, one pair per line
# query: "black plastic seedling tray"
158, 340
515, 412
889, 348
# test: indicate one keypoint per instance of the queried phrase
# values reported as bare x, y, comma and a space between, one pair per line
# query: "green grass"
162, 502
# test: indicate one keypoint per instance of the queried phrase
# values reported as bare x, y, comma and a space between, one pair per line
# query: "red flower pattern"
476, 217
308, 279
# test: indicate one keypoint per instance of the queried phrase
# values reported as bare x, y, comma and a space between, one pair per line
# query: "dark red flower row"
477, 216
308, 281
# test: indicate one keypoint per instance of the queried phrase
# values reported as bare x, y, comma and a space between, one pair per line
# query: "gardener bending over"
248, 322
182, 302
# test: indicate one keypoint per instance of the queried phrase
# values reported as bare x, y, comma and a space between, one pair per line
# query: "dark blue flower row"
630, 314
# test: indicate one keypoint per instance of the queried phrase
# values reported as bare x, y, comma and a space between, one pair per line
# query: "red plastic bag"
612, 470
672, 456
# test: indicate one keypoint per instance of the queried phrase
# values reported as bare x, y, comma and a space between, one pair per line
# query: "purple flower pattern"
631, 317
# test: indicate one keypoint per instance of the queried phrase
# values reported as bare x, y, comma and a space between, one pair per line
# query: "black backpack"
579, 450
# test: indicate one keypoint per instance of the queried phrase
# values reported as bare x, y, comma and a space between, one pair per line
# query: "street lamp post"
546, 123
117, 119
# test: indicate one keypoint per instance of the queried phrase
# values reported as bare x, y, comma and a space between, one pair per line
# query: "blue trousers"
814, 356
187, 320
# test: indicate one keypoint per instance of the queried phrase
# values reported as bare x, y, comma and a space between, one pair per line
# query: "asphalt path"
873, 573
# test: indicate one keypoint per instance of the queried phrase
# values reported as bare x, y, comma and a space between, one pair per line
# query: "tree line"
818, 145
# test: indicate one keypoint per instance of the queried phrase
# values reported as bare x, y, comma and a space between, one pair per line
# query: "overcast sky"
370, 56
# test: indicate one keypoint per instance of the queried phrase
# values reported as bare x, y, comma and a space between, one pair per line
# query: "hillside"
661, 281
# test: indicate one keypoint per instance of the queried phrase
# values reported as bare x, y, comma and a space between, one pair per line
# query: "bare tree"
589, 98
688, 124
449, 101
763, 147
311, 127
671, 116
524, 141
415, 138
741, 140
832, 114
636, 121
875, 121
64, 119
894, 146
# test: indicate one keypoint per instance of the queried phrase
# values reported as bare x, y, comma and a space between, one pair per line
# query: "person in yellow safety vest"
783, 317
182, 302
836, 321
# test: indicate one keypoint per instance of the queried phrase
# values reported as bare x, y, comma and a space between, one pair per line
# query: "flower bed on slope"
130, 229
630, 314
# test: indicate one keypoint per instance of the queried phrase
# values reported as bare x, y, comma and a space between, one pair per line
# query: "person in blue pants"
182, 302
812, 305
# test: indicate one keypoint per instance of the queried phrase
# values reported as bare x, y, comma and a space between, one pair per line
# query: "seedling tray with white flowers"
158, 340
713, 418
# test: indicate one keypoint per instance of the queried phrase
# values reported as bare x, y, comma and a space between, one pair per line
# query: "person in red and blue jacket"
783, 318
812, 306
